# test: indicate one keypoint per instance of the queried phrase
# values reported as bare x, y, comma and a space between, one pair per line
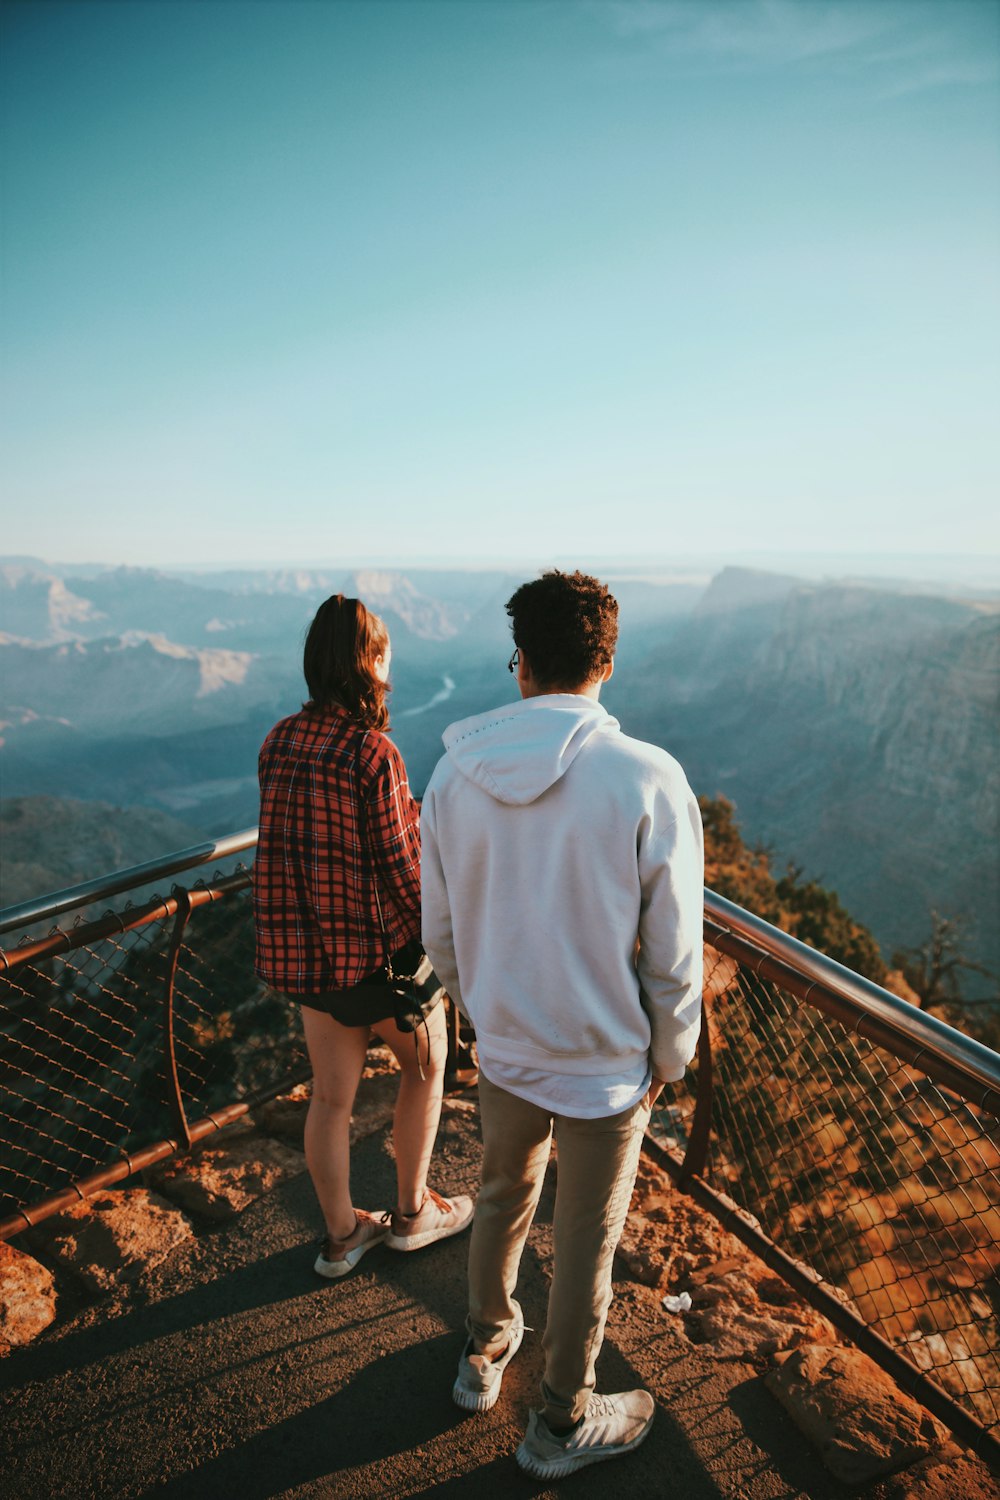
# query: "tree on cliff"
803, 908
937, 972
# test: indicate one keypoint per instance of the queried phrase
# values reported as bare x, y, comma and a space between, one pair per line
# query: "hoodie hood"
517, 752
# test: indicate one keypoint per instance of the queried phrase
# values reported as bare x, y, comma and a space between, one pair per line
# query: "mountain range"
854, 727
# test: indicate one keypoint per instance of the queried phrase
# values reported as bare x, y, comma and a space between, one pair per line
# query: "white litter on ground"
679, 1304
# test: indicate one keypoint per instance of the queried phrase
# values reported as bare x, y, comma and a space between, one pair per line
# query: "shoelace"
429, 1193
430, 1196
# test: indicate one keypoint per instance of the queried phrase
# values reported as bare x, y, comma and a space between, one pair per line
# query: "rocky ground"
169, 1337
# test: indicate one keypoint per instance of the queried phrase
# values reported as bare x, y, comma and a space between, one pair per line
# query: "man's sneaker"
337, 1257
436, 1219
479, 1378
611, 1426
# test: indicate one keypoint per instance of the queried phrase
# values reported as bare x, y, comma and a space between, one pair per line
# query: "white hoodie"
550, 843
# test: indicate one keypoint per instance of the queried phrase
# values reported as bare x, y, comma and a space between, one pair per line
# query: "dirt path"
233, 1371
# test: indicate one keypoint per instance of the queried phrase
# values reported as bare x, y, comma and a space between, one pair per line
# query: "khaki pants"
597, 1166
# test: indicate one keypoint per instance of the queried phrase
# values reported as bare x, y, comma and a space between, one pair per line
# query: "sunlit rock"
27, 1297
221, 1180
114, 1237
861, 1422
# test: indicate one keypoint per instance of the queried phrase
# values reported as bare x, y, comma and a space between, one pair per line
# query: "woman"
336, 895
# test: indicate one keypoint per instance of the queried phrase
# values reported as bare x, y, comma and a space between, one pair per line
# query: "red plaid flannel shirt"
336, 815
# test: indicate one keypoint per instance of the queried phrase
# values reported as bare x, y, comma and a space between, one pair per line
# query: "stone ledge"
862, 1423
27, 1298
220, 1180
113, 1237
743, 1311
740, 1310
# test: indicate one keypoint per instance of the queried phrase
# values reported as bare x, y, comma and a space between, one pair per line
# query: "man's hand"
654, 1091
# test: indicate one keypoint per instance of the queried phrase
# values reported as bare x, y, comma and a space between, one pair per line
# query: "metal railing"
128, 1036
848, 1138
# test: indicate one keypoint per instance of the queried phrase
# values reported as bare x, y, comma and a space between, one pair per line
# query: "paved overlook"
228, 1369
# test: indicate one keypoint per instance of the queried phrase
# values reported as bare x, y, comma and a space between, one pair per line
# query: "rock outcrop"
114, 1236
858, 1418
861, 1423
27, 1298
220, 1180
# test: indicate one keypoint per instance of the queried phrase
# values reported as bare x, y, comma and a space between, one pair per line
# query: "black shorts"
368, 1001
361, 1005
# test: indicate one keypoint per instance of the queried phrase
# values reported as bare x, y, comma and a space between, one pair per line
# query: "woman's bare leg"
418, 1106
337, 1054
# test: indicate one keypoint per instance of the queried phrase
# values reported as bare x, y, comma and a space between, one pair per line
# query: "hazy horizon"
957, 569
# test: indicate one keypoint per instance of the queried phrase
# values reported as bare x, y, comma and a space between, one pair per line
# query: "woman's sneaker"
611, 1426
479, 1378
337, 1257
436, 1219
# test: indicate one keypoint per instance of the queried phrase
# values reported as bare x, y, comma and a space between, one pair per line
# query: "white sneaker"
437, 1219
479, 1379
337, 1257
611, 1426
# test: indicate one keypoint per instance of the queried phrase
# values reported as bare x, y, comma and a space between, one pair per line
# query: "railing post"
696, 1155
175, 1099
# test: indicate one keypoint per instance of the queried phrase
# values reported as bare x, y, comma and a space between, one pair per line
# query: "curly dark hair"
344, 641
567, 626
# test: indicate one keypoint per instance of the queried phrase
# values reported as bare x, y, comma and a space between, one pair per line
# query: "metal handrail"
46, 908
943, 1055
935, 1036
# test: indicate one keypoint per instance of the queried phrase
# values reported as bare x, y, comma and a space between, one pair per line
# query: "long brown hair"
345, 640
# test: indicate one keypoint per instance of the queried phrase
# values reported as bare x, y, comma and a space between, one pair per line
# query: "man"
553, 845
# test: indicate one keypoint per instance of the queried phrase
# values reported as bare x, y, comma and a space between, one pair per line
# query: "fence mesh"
859, 1166
853, 1162
84, 1075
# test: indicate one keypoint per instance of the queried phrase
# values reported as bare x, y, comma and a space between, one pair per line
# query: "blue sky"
303, 282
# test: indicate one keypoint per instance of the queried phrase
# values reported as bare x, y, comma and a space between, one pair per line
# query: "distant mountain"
143, 681
38, 606
265, 580
736, 589
855, 731
50, 843
854, 727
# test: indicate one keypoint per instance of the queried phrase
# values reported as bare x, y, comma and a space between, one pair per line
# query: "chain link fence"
855, 1164
130, 1030
855, 1141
